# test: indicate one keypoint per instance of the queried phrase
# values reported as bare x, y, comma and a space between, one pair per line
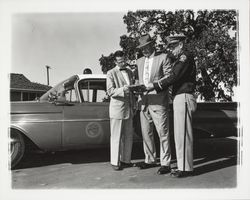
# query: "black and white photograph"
124, 99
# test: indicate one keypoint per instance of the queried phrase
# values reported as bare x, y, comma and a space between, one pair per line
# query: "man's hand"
126, 89
150, 87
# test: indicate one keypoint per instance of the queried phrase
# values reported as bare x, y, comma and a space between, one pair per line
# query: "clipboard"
139, 88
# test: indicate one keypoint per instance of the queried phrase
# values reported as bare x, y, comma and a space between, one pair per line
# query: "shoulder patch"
183, 58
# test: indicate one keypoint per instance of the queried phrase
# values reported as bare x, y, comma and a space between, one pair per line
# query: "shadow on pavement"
35, 159
231, 161
214, 154
209, 155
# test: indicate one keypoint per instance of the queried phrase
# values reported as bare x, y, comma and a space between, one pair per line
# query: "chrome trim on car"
34, 113
62, 120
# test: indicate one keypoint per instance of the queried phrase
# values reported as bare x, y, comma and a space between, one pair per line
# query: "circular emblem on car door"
93, 129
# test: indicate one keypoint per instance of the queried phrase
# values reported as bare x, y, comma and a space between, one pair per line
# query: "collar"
121, 69
180, 54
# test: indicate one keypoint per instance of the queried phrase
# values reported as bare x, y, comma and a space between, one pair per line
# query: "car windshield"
60, 87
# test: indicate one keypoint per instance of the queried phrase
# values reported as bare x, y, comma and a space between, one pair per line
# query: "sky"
67, 42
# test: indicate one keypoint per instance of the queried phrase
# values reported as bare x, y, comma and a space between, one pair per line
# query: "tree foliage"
211, 37
107, 62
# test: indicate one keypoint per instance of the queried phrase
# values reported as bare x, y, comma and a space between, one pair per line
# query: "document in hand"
137, 88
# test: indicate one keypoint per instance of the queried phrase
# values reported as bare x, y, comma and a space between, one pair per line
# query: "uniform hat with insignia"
144, 40
172, 39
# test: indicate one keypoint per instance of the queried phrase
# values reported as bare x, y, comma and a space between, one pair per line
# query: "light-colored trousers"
184, 106
121, 140
159, 118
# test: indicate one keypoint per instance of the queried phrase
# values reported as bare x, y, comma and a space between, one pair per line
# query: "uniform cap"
175, 38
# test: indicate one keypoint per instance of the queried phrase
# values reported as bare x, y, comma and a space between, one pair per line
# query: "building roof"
19, 81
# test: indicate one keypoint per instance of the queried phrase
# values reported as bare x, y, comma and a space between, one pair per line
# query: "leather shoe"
116, 167
164, 170
181, 174
146, 165
126, 165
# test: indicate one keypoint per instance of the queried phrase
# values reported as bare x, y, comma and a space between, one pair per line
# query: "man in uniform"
153, 105
183, 78
121, 113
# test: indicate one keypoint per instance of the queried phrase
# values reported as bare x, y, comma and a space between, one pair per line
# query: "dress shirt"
148, 68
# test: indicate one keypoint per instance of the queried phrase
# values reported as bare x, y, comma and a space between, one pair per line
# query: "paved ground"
215, 167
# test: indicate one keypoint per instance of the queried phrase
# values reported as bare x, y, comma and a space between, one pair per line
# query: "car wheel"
17, 148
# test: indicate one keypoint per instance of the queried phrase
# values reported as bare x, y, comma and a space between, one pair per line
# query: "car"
75, 115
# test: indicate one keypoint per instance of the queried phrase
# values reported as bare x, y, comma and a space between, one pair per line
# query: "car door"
86, 118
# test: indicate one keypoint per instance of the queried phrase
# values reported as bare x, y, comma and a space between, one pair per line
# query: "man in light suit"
121, 113
153, 105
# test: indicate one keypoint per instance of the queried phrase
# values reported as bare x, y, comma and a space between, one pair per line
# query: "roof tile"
21, 82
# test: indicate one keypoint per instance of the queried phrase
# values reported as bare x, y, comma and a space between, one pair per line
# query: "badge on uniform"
183, 58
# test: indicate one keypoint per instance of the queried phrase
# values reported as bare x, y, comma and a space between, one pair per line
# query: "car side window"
93, 90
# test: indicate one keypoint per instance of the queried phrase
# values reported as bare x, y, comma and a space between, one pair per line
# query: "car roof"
84, 76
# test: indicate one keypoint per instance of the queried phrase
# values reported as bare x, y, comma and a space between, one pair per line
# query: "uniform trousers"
184, 106
121, 140
159, 118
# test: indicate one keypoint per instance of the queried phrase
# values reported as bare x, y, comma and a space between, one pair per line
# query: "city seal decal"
93, 129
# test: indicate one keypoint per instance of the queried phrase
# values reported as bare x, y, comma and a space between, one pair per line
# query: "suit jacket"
161, 67
121, 104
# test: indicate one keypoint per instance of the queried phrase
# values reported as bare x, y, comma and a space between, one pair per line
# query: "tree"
107, 62
210, 36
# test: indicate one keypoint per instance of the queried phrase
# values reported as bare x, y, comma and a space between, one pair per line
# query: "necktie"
146, 72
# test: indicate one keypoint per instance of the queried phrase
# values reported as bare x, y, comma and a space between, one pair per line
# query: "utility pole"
48, 67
